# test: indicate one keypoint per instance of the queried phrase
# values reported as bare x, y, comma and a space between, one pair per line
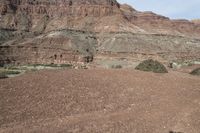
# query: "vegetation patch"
12, 70
4, 73
3, 76
8, 72
116, 66
196, 72
66, 65
151, 65
51, 65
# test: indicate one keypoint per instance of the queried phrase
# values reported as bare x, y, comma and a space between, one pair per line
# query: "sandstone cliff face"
27, 13
90, 15
69, 8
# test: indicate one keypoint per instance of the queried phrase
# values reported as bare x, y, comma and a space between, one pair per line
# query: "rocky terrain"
69, 36
105, 100
65, 31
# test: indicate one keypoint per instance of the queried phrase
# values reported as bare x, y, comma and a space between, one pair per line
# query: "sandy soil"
89, 101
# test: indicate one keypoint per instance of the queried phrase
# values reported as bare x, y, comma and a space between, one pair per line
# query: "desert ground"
88, 50
101, 101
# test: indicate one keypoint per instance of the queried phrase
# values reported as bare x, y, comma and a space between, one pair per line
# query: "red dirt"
100, 101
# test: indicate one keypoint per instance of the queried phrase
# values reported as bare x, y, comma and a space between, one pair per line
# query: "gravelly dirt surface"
116, 101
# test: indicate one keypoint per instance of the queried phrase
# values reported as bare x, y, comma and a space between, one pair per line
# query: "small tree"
196, 72
151, 65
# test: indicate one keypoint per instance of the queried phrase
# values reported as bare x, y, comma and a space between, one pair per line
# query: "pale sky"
175, 9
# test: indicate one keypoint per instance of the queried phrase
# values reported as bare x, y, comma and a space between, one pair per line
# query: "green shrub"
13, 68
11, 72
5, 73
196, 72
66, 65
44, 65
51, 65
151, 65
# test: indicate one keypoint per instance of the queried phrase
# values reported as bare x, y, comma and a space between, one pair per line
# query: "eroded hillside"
73, 31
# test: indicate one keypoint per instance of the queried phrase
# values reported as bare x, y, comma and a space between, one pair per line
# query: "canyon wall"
61, 31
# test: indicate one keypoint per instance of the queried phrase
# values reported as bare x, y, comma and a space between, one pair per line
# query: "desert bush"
7, 72
196, 72
66, 65
44, 65
151, 65
51, 65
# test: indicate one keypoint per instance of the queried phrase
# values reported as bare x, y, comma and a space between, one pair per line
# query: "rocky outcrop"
90, 15
67, 46
154, 23
26, 13
64, 46
69, 8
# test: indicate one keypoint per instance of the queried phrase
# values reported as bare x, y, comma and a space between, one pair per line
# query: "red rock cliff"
61, 7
